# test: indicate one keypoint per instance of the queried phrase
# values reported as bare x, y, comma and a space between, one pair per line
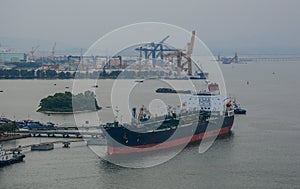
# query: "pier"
61, 133
55, 142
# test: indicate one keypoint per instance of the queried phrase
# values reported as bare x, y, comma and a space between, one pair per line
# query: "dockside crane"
180, 55
155, 50
190, 48
155, 47
31, 54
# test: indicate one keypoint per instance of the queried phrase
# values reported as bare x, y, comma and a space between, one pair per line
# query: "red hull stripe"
169, 144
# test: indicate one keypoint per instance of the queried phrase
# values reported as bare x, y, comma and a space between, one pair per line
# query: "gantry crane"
155, 50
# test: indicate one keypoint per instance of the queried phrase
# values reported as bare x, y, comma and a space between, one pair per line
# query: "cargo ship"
203, 115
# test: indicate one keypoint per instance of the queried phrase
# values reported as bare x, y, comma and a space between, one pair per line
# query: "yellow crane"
180, 54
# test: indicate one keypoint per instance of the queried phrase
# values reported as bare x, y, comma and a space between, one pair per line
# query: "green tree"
51, 74
62, 75
9, 127
68, 75
66, 102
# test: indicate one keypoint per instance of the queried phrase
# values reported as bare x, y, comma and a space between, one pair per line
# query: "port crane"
30, 55
180, 55
155, 47
183, 58
155, 50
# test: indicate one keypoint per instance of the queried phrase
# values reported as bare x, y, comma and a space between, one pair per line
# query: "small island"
69, 103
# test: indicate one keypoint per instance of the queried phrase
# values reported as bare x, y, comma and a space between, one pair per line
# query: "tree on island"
67, 102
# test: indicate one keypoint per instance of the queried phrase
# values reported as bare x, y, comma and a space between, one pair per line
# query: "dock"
61, 133
55, 142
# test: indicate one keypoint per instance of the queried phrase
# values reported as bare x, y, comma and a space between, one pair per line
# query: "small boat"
66, 144
139, 81
42, 147
238, 109
1, 91
201, 75
8, 157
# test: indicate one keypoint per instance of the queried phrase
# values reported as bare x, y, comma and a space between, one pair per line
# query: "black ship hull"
121, 140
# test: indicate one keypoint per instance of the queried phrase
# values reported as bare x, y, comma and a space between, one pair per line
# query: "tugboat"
238, 109
8, 157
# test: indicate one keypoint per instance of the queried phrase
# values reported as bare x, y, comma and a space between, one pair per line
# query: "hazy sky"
224, 25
